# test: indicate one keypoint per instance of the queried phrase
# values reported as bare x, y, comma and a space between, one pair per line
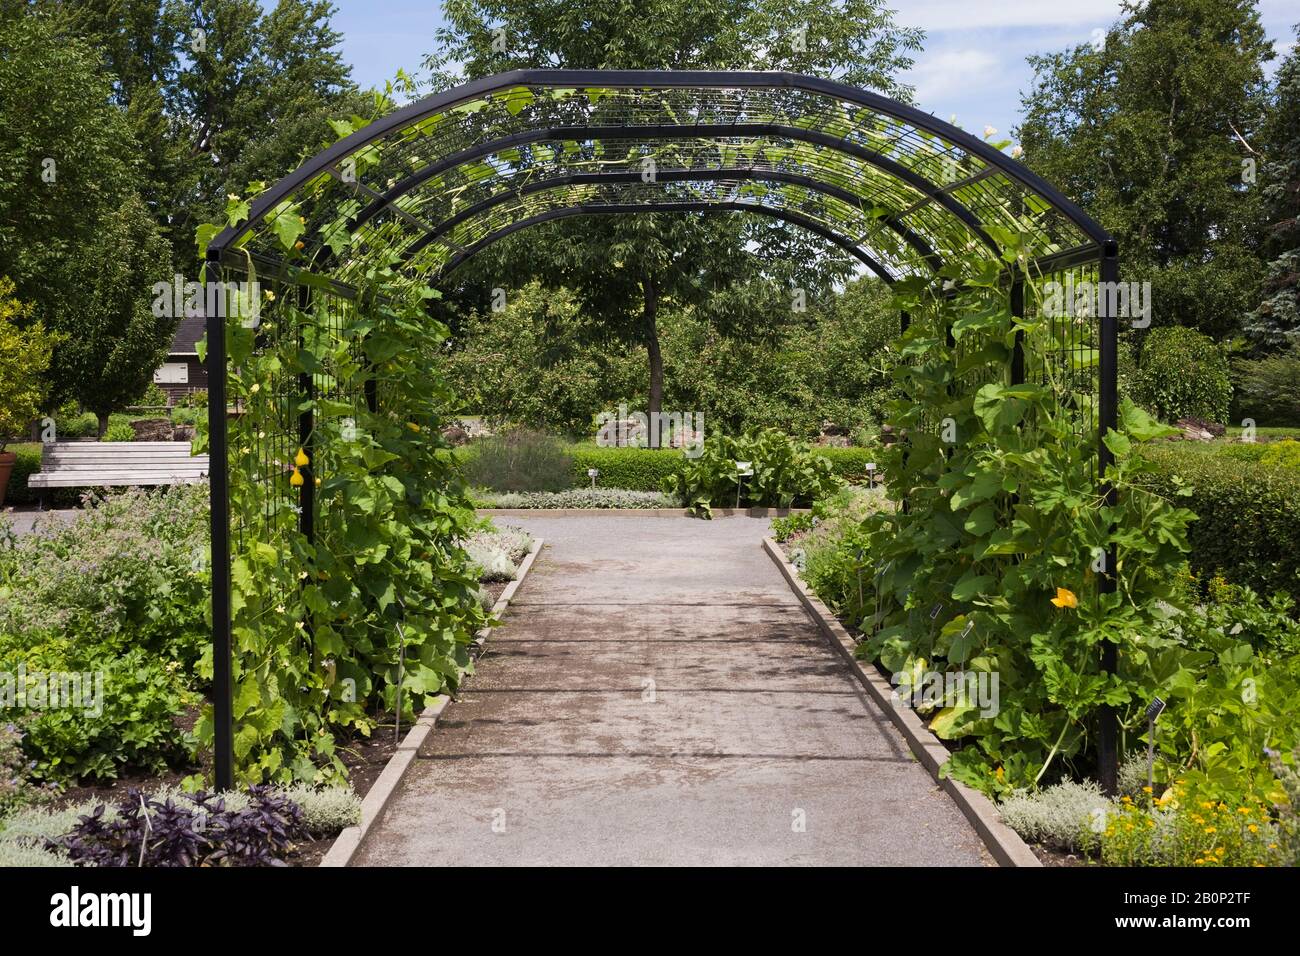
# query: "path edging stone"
349, 840
1003, 843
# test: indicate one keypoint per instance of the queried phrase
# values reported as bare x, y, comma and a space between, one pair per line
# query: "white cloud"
942, 75
936, 16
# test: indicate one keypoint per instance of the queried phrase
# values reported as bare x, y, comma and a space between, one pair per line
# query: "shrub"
633, 469
1248, 515
850, 463
119, 429
519, 460
152, 397
121, 591
25, 352
1268, 389
1183, 373
1062, 817
785, 473
1180, 832
783, 529
604, 498
28, 463
496, 552
1284, 454
838, 563
200, 830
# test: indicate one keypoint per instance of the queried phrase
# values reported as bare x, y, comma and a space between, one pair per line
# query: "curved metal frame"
671, 79
681, 175
1098, 247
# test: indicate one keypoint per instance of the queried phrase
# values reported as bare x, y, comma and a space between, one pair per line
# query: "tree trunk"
102, 418
650, 314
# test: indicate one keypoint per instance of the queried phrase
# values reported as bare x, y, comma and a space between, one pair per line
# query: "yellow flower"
1242, 810
1210, 829
317, 482
296, 478
270, 295
1253, 828
412, 426
301, 459
254, 388
299, 244
1146, 790
1065, 598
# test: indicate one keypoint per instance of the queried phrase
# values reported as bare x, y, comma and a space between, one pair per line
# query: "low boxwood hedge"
633, 469
643, 469
1248, 515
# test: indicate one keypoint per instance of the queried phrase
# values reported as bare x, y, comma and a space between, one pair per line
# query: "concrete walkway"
658, 696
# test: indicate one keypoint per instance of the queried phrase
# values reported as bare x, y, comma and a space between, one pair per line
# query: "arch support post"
1108, 412
223, 724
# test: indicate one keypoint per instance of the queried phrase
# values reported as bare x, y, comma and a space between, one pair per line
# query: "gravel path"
657, 696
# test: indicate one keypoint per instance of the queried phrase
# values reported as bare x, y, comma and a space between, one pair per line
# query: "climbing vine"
995, 564
374, 609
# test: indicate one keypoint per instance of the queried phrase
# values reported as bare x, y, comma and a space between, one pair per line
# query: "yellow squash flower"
296, 478
1065, 598
301, 459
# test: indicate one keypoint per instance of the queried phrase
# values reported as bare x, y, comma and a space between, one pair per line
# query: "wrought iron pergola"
432, 184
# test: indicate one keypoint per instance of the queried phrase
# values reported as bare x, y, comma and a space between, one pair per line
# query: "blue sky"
973, 64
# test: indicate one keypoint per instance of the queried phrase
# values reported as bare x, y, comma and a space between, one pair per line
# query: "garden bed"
120, 588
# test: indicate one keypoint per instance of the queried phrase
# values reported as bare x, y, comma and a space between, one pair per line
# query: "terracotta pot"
7, 460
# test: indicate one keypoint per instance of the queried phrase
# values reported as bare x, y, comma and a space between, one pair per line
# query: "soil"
495, 588
1050, 857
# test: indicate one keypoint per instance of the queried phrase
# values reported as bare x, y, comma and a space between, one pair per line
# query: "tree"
113, 347
625, 270
24, 357
74, 236
1276, 320
1149, 133
219, 93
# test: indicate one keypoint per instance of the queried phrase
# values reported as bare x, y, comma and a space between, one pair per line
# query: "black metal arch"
936, 222
567, 212
691, 175
329, 161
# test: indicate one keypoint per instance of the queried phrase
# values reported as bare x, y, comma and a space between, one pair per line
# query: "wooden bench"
93, 464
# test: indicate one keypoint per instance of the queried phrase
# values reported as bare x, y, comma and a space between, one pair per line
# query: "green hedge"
633, 469
1248, 515
28, 463
643, 469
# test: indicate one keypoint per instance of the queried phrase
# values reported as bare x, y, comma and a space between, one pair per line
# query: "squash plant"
375, 611
785, 473
994, 564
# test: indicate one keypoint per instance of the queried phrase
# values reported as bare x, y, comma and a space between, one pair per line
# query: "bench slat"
83, 464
